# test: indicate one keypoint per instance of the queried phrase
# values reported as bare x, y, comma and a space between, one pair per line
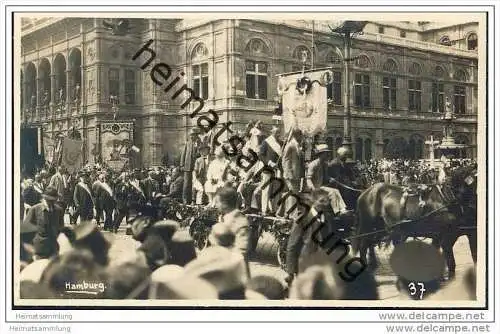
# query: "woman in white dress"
215, 174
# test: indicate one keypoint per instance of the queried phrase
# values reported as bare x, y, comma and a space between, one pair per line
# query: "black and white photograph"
250, 159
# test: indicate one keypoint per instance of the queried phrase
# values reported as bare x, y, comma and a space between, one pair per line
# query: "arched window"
200, 70
75, 62
390, 66
362, 61
60, 77
389, 86
437, 93
45, 82
31, 93
460, 75
415, 69
472, 42
257, 71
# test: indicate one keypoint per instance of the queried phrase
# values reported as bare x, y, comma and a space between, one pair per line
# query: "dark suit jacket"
150, 186
175, 190
49, 225
188, 156
342, 172
121, 192
104, 198
83, 200
293, 161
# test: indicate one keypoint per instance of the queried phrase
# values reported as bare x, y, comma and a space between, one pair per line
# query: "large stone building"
72, 70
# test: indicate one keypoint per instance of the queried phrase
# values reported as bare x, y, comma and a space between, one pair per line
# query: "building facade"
80, 71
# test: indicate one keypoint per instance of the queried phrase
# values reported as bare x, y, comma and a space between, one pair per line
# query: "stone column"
69, 84
39, 97
53, 92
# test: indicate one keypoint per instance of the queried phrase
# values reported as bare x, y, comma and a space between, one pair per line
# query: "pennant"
72, 157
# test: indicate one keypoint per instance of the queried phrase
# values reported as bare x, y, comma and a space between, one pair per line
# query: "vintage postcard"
249, 159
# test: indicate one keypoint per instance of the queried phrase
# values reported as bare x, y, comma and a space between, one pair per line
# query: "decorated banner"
72, 154
49, 147
115, 140
304, 99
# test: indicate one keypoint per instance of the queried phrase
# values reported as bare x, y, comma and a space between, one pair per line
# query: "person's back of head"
125, 281
228, 198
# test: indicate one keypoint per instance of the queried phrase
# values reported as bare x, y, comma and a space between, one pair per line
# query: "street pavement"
264, 261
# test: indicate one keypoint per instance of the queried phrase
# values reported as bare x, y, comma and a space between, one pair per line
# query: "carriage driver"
317, 178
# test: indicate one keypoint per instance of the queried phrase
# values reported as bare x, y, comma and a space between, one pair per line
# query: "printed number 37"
414, 290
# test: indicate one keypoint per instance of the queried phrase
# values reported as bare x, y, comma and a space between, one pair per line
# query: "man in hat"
49, 220
200, 173
121, 194
104, 196
84, 199
58, 181
188, 158
317, 177
98, 204
339, 168
150, 186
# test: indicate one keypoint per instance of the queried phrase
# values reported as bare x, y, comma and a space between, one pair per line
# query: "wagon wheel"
281, 256
255, 233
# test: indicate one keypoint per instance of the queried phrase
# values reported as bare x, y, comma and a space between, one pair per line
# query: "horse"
382, 215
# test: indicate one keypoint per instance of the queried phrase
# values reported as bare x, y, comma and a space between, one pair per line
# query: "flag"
304, 109
49, 149
72, 157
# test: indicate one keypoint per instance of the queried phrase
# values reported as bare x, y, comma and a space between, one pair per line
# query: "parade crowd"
57, 259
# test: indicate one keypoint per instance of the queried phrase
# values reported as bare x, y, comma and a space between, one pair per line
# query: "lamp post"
348, 30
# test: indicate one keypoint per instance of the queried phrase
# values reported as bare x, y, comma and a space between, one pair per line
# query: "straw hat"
322, 148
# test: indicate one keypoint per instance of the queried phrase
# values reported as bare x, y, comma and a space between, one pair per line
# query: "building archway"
75, 72
60, 76
45, 82
30, 86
